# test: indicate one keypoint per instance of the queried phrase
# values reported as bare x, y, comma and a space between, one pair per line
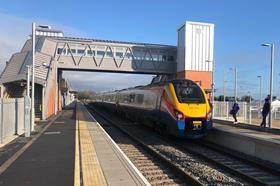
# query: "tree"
84, 95
221, 98
246, 98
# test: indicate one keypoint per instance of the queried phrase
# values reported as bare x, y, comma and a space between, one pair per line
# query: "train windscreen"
188, 92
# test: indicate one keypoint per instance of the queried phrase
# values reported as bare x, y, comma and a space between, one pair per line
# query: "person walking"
234, 111
265, 111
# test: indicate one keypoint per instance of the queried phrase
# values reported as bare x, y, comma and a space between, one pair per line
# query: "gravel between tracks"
204, 171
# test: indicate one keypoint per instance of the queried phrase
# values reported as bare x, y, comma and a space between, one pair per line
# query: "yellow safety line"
77, 178
91, 169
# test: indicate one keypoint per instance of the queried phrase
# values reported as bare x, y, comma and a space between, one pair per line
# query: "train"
176, 107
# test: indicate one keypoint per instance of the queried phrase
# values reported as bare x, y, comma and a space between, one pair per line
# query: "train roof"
149, 85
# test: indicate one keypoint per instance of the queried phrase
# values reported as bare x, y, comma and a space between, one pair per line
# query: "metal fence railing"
249, 113
11, 118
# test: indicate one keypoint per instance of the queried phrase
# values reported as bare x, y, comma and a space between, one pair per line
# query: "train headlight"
179, 115
209, 116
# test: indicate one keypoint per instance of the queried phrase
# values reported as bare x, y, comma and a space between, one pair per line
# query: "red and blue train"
177, 107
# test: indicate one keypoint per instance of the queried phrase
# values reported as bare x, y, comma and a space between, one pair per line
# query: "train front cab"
190, 120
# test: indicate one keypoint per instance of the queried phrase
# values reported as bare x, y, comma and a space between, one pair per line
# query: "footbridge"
112, 56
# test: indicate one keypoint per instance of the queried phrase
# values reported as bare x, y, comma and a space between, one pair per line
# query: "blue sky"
241, 26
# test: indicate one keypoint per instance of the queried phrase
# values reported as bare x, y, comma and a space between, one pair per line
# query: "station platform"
251, 140
103, 162
72, 149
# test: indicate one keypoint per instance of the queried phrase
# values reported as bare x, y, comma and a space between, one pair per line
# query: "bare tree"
85, 95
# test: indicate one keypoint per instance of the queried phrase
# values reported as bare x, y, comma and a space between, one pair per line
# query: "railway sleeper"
145, 168
159, 177
154, 172
168, 182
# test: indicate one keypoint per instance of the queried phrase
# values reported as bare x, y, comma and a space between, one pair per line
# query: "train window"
139, 98
131, 98
127, 99
188, 92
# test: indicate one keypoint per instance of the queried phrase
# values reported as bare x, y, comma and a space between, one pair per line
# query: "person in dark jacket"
265, 111
234, 111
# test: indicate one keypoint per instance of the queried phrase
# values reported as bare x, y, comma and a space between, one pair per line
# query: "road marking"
77, 173
50, 133
7, 163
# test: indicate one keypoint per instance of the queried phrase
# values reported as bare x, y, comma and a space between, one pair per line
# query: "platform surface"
256, 143
261, 135
110, 164
49, 160
72, 150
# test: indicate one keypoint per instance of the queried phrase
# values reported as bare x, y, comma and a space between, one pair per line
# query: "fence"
248, 113
11, 118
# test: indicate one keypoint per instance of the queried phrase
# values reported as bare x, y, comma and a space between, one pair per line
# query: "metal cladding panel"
181, 49
199, 42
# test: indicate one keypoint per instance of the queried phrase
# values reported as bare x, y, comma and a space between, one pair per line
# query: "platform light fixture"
271, 79
260, 103
224, 85
213, 83
235, 82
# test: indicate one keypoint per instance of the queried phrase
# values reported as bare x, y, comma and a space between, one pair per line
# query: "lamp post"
271, 79
278, 86
213, 83
27, 126
235, 82
224, 91
33, 77
28, 81
260, 103
224, 85
250, 112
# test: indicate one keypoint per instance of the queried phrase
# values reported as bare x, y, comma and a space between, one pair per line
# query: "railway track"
188, 166
251, 171
155, 168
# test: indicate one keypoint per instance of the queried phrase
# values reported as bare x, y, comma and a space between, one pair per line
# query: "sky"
241, 26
